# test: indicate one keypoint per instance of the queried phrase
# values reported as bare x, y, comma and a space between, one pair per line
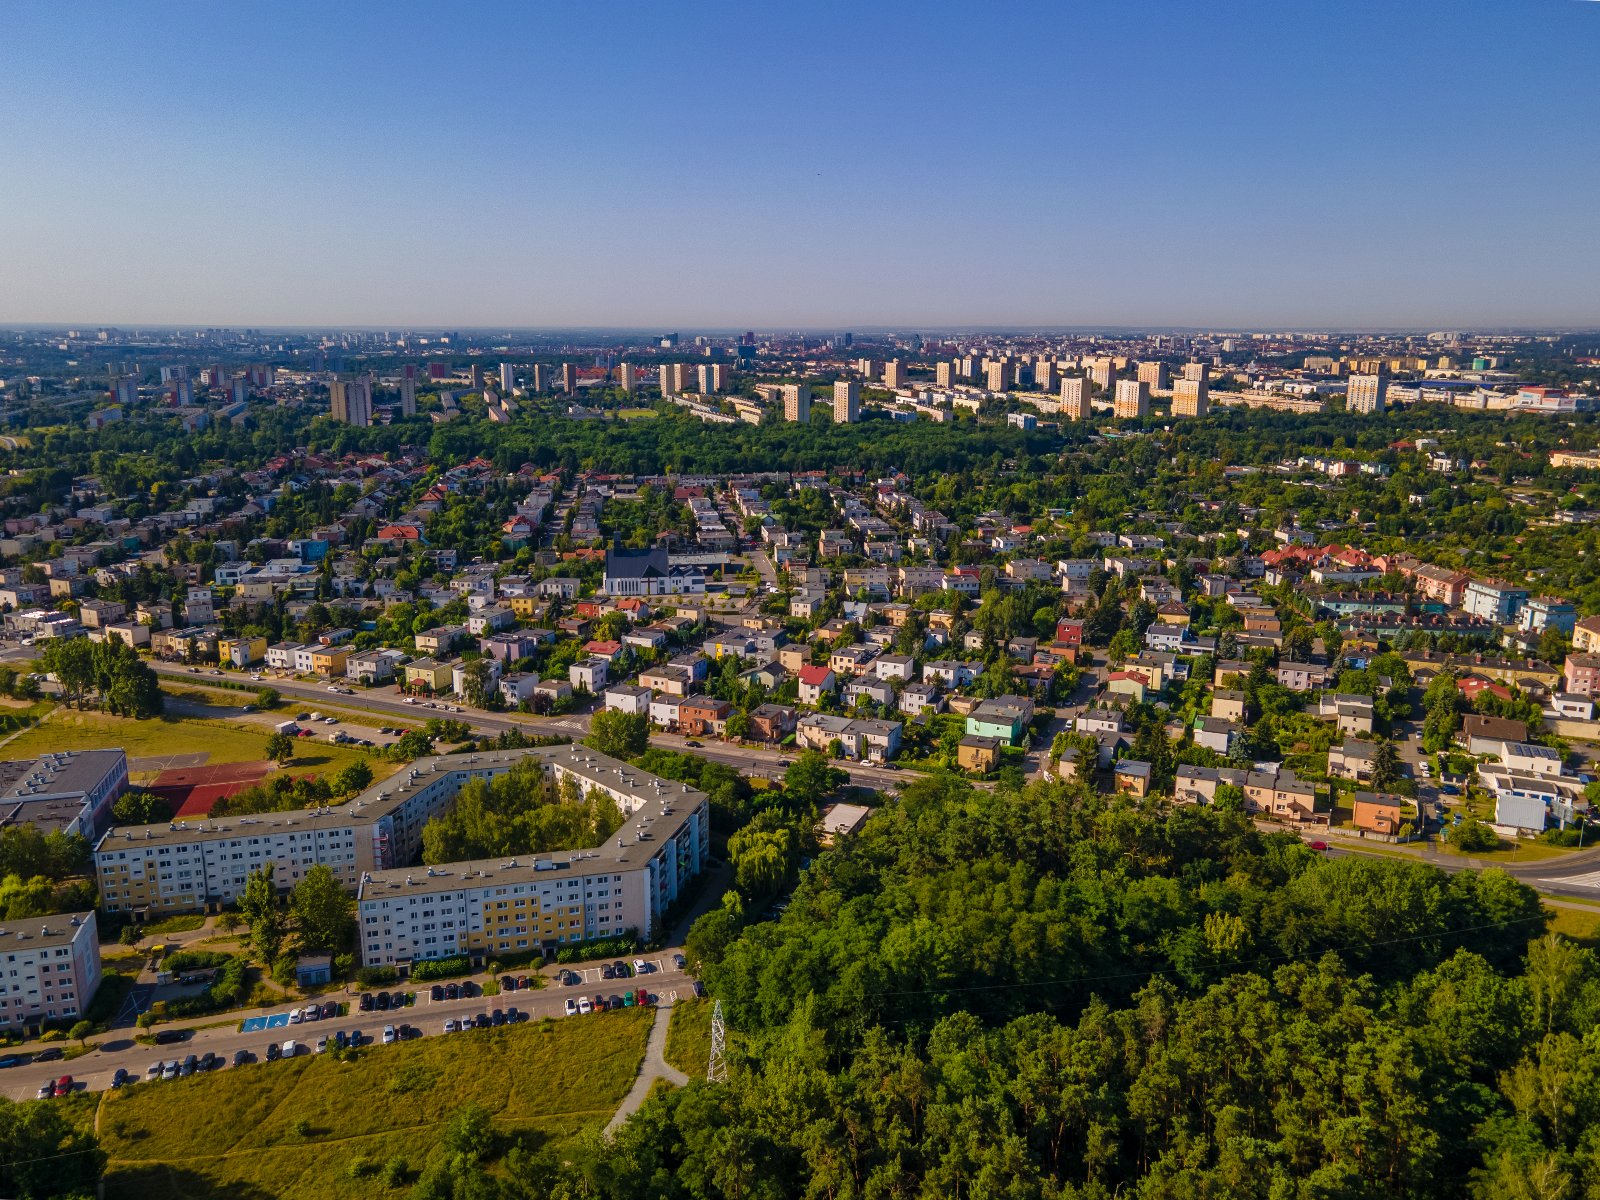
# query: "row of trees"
110, 670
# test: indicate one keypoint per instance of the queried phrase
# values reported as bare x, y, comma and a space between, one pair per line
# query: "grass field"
689, 1037
1581, 927
289, 1130
223, 741
630, 414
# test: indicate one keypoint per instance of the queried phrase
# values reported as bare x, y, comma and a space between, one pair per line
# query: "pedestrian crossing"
1589, 880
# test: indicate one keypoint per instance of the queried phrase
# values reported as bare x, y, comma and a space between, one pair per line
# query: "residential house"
589, 675
1131, 777
1005, 717
703, 715
1228, 704
1354, 760
977, 753
1379, 812
635, 701
772, 722
1353, 713
428, 675
816, 682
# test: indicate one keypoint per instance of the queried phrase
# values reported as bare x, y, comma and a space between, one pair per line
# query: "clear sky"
545, 163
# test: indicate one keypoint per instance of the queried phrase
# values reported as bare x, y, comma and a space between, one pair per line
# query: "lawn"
223, 741
1582, 927
289, 1130
632, 414
689, 1037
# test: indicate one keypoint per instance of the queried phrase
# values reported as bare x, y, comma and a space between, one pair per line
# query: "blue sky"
815, 165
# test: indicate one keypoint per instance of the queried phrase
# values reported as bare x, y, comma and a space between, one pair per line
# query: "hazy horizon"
1358, 168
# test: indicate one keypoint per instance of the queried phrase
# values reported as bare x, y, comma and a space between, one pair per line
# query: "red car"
1318, 845
64, 1086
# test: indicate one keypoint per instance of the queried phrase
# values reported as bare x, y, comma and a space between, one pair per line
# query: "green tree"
45, 1154
619, 734
140, 808
260, 908
268, 698
811, 779
1385, 765
354, 778
280, 748
324, 915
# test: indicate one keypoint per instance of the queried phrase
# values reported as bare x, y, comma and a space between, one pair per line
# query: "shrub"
441, 968
362, 1166
613, 947
376, 976
395, 1172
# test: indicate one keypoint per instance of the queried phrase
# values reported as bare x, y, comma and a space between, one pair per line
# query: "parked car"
621, 969
699, 989
329, 1011
508, 983
322, 1046
388, 1034
274, 1052
513, 1015
121, 1078
497, 1017
640, 966
190, 1064
366, 1002
153, 1071
290, 1049
522, 983
1318, 845
679, 961
46, 1091
572, 1006
450, 1025
436, 992
607, 971
382, 1001
585, 1005
240, 1057
49, 1054
170, 1071
64, 1085
296, 1016
453, 991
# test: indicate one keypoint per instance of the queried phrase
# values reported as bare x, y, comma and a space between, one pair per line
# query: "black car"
329, 1011
699, 989
615, 1002
453, 991
607, 971
436, 992
274, 1052
622, 969
190, 1065
120, 1078
482, 1021
367, 1003
513, 1015
508, 983
471, 989
382, 1001
498, 1017
240, 1057
356, 1039
50, 1054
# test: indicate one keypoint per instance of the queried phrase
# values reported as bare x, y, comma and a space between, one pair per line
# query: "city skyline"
1256, 169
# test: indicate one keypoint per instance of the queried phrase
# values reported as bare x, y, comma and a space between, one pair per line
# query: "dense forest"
1040, 993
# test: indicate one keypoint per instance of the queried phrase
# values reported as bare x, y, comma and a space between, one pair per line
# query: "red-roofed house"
815, 682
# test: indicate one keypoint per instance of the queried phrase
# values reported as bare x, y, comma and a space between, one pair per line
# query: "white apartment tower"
846, 402
350, 400
1132, 398
1367, 393
408, 390
797, 402
1075, 398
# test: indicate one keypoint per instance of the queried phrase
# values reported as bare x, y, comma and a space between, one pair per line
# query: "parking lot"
258, 1034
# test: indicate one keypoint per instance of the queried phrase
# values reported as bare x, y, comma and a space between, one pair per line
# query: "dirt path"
655, 1066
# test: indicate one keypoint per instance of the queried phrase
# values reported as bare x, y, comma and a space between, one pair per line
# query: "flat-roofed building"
52, 968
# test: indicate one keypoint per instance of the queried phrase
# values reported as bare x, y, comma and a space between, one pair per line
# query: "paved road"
118, 1049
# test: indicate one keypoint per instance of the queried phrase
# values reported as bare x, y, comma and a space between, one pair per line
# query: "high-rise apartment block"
997, 375
797, 402
1197, 370
475, 377
1156, 375
1044, 374
674, 378
508, 378
350, 400
1367, 393
846, 401
713, 378
628, 376
894, 374
1075, 398
944, 374
408, 390
1132, 398
1190, 397
1103, 371
125, 391
569, 378
868, 368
